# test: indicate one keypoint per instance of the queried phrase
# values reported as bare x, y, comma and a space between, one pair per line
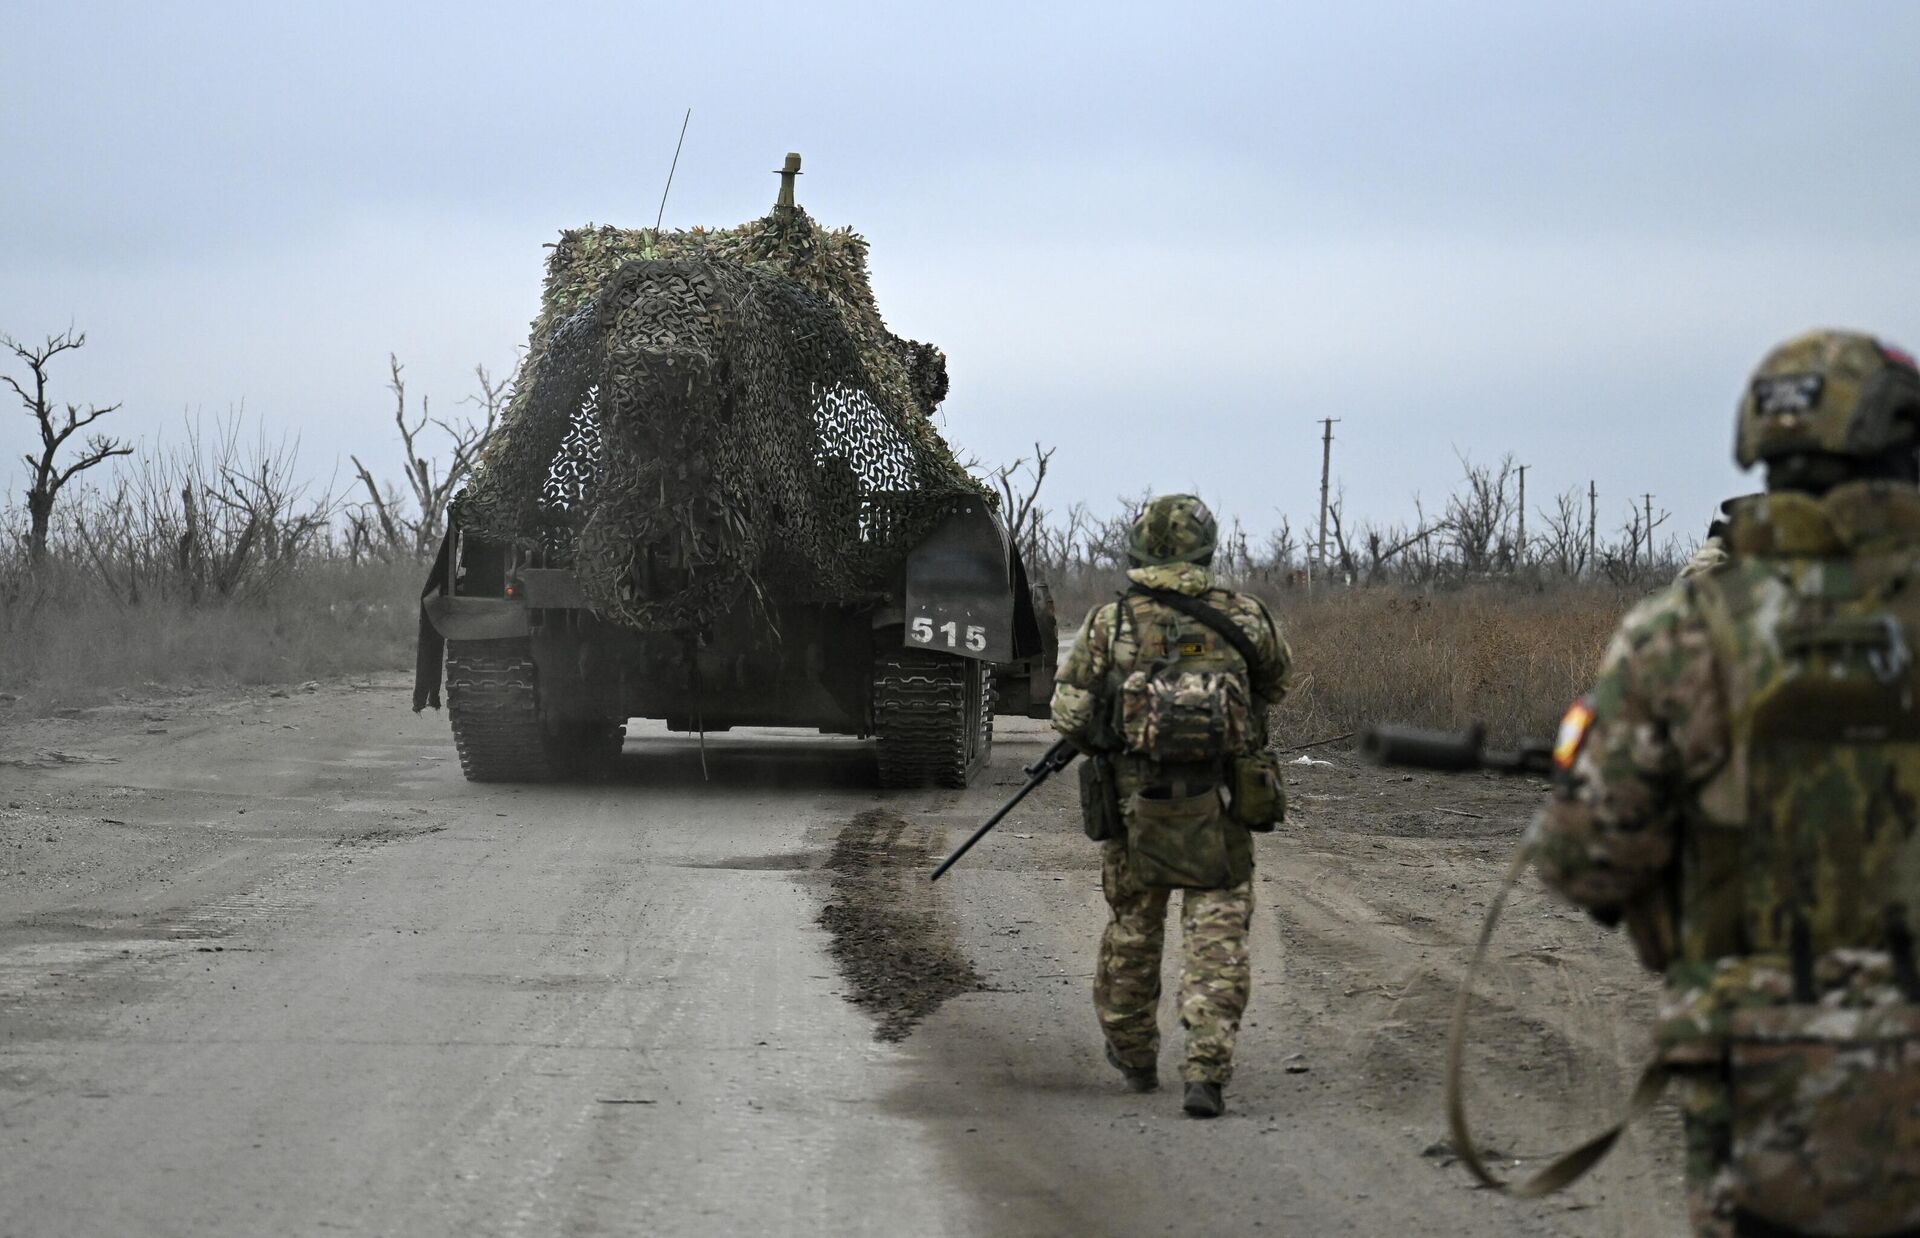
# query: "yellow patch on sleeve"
1192, 648
1573, 733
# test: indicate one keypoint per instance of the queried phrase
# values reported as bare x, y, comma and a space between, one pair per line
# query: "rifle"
1452, 751
1050, 763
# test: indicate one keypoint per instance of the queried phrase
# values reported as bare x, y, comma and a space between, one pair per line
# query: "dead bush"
75, 644
1499, 653
1506, 656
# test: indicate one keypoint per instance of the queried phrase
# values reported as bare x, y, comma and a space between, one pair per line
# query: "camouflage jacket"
1080, 685
1659, 767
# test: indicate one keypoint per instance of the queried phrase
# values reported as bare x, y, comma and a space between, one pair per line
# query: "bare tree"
1024, 515
1564, 545
217, 518
1634, 557
491, 399
48, 475
1479, 517
1278, 556
1477, 535
1422, 559
1384, 545
432, 487
1337, 530
1107, 540
1233, 556
1059, 547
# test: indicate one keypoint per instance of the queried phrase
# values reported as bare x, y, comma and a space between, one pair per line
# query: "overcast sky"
1164, 240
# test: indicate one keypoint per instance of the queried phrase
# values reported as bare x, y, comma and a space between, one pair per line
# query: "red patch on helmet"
1899, 356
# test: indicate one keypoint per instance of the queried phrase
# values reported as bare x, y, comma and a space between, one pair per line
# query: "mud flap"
1023, 688
429, 650
959, 594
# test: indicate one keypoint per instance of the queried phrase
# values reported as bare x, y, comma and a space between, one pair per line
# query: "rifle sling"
1212, 617
1570, 1166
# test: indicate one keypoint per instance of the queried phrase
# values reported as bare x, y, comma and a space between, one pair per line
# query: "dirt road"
268, 965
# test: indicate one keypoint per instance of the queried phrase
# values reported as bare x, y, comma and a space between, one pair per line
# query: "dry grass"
1507, 654
70, 642
1504, 655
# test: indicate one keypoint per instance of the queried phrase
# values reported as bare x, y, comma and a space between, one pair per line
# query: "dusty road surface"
269, 966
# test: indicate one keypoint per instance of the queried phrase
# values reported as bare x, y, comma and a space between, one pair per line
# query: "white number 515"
922, 632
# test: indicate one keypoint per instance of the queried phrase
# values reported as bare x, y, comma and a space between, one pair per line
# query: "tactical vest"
1807, 841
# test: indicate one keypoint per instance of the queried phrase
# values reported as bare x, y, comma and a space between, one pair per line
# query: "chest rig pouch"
1184, 711
1820, 882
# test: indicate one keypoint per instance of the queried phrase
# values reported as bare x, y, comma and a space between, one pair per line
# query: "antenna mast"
672, 169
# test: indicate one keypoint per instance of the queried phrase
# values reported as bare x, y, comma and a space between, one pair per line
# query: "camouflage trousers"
1215, 979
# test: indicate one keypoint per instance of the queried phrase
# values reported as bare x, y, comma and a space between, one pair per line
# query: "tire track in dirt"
1378, 915
887, 933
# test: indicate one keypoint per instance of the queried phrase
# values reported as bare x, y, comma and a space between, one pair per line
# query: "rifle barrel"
1405, 745
1452, 751
1052, 762
992, 821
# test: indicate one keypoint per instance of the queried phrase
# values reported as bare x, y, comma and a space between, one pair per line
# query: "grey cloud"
1489, 226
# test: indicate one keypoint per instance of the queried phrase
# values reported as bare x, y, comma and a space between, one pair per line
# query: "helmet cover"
1173, 528
1837, 393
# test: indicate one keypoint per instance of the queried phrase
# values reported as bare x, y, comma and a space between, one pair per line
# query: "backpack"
1188, 697
1807, 841
1799, 879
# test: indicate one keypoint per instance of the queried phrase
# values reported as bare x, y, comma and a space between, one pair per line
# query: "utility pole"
1520, 552
1326, 470
1648, 500
1593, 524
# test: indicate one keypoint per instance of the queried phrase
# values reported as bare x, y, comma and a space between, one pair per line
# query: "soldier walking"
1742, 789
1167, 690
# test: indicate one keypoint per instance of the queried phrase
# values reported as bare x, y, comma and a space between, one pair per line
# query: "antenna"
670, 171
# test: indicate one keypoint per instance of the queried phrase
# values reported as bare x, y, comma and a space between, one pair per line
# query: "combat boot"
1139, 1078
1204, 1100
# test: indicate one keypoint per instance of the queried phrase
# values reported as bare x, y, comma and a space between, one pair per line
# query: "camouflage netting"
704, 417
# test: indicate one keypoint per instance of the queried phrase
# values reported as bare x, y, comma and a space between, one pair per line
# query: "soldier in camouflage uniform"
1173, 712
1742, 789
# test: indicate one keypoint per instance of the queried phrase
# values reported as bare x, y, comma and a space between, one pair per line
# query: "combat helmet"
1174, 528
1837, 394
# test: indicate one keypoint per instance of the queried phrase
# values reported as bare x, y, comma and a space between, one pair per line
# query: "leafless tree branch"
46, 476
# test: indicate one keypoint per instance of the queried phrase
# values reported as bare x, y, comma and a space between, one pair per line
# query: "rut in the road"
888, 937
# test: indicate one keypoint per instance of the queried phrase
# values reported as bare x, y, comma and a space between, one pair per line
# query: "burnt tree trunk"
39, 519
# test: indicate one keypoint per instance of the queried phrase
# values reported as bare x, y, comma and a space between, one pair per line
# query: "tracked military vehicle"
718, 499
